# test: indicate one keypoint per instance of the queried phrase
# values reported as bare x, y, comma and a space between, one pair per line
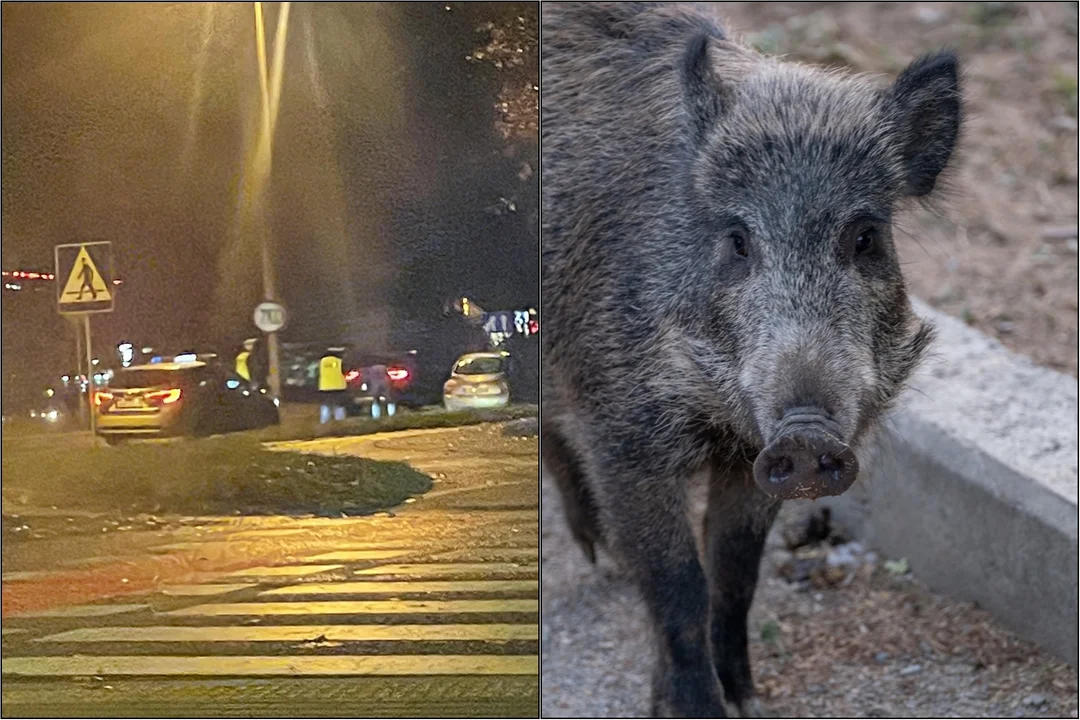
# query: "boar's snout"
805, 458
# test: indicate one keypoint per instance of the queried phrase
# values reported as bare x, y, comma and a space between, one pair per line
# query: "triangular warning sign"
85, 284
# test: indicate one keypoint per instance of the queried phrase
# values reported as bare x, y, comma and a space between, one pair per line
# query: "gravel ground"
858, 641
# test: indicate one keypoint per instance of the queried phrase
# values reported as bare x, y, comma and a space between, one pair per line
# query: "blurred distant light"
277, 403
155, 359
52, 415
185, 357
95, 361
49, 392
147, 350
28, 275
65, 378
127, 353
232, 384
12, 286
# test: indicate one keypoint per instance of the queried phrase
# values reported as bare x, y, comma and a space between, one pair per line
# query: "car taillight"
352, 375
165, 397
102, 398
398, 373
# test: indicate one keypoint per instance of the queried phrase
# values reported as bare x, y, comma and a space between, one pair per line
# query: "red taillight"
398, 374
352, 375
165, 397
102, 398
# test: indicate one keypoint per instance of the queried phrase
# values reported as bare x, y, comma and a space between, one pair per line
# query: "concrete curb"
974, 480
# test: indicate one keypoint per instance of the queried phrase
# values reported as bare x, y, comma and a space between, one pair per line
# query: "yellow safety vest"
330, 375
242, 366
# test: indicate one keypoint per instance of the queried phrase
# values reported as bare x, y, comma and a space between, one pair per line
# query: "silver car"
478, 381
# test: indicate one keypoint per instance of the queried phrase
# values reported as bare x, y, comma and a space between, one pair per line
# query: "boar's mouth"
806, 458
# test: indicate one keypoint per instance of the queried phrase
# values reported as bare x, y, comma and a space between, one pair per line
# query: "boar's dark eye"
865, 240
739, 243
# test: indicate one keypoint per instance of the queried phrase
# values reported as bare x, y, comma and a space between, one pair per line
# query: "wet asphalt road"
429, 610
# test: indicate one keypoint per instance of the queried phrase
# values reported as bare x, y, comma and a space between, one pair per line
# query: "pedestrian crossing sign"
88, 287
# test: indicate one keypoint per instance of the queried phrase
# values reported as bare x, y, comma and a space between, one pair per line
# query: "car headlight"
52, 416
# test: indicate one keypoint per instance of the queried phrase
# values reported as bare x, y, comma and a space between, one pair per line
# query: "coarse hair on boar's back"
721, 296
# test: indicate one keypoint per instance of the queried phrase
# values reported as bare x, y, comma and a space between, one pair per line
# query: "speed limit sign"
269, 317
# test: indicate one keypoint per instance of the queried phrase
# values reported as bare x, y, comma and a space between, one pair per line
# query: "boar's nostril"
830, 463
781, 469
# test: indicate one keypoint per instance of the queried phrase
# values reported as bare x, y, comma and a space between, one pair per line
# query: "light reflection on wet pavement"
430, 609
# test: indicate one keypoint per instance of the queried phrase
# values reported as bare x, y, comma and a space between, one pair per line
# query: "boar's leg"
646, 526
561, 462
737, 520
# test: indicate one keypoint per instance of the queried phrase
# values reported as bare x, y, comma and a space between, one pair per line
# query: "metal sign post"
90, 386
88, 289
84, 407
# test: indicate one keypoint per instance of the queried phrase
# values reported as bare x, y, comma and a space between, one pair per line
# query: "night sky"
396, 181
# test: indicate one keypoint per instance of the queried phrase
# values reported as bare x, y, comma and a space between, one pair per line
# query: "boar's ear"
703, 90
925, 102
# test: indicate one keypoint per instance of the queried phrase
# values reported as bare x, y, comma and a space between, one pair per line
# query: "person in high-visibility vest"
332, 385
242, 360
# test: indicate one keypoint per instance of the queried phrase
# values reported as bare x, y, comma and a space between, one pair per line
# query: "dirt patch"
1001, 251
229, 475
849, 636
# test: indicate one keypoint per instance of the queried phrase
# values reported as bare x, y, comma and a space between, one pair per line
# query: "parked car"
179, 398
401, 371
300, 373
477, 381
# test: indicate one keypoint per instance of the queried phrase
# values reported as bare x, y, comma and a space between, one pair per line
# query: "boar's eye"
739, 243
865, 240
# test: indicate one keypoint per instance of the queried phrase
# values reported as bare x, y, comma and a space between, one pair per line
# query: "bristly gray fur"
664, 144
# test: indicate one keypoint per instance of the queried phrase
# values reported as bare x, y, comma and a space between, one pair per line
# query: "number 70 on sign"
270, 317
